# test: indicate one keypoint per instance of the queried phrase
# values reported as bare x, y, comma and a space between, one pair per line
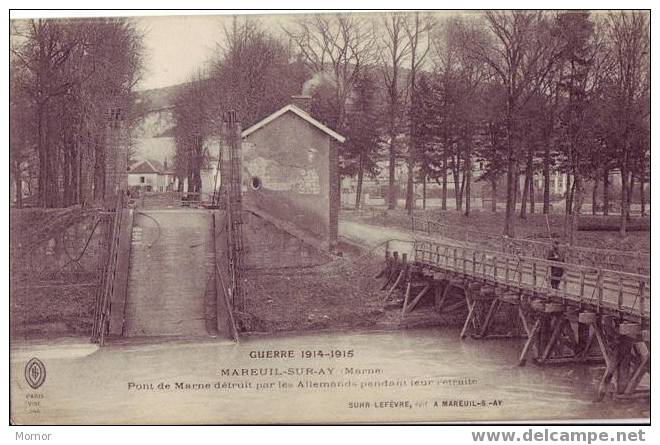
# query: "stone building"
151, 176
290, 168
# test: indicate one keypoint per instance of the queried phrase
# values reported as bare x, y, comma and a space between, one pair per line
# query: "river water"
418, 375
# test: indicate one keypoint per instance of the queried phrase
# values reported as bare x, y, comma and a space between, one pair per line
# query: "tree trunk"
642, 197
568, 195
191, 182
410, 183
358, 189
462, 193
69, 172
631, 185
66, 177
99, 171
493, 194
606, 192
424, 192
532, 198
568, 221
509, 220
594, 196
444, 177
516, 187
50, 153
41, 178
524, 197
624, 198
546, 180
509, 229
457, 190
82, 199
53, 188
18, 183
198, 182
74, 173
525, 194
391, 195
467, 177
456, 173
576, 210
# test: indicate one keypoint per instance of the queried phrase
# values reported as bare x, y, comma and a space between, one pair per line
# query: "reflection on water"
424, 368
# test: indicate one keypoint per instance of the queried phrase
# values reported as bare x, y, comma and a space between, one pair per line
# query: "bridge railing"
222, 289
171, 197
627, 261
107, 279
623, 291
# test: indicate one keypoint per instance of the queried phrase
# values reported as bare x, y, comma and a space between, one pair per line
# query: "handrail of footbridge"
624, 293
628, 261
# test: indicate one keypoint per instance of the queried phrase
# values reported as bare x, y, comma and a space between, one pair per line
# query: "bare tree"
192, 116
252, 72
521, 55
73, 72
44, 52
418, 30
628, 101
472, 77
394, 51
341, 44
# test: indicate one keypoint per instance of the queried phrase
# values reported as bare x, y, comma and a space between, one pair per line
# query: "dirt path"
171, 272
378, 236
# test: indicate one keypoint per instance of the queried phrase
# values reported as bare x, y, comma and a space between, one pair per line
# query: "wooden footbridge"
587, 315
612, 259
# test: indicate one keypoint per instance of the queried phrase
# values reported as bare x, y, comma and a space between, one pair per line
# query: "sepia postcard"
333, 217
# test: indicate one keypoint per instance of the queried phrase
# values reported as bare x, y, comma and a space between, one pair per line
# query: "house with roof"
290, 170
150, 175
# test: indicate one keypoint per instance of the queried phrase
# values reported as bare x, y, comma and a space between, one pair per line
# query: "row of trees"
252, 73
523, 92
67, 77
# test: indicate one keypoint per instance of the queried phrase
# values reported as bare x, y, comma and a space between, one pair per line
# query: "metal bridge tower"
234, 208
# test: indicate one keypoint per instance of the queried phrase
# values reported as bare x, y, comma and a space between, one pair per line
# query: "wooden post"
642, 368
402, 273
533, 337
622, 373
385, 270
409, 307
642, 302
600, 290
393, 271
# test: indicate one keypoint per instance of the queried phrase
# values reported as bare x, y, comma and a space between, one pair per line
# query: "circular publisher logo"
35, 373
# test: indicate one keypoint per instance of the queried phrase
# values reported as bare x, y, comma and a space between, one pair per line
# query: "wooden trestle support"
589, 317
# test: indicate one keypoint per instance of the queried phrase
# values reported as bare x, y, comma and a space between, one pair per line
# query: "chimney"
302, 101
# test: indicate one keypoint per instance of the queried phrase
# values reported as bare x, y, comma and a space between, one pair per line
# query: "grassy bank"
53, 272
341, 295
533, 227
49, 310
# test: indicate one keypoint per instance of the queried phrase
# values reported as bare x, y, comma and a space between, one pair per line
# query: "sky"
177, 46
